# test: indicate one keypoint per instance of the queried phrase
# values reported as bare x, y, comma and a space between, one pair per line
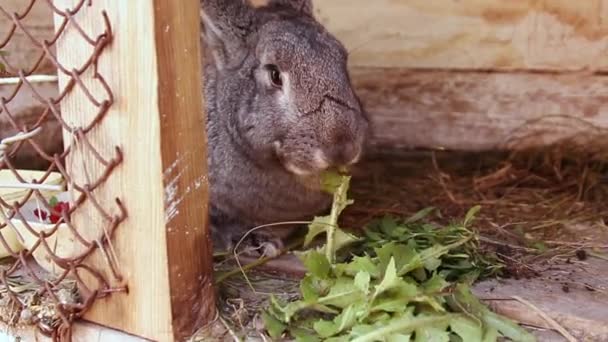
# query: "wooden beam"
471, 34
483, 111
153, 68
554, 35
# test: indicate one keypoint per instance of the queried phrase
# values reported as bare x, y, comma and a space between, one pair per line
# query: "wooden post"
153, 68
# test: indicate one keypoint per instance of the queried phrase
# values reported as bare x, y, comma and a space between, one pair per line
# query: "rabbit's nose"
343, 154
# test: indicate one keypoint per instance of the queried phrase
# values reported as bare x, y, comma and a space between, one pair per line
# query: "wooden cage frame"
163, 247
163, 81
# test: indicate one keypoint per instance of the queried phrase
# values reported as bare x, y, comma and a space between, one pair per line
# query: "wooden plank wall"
471, 74
478, 74
554, 35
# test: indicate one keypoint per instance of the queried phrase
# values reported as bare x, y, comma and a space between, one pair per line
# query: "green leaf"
403, 254
401, 325
491, 335
431, 263
285, 313
53, 201
432, 333
343, 239
343, 321
390, 304
507, 328
362, 280
304, 336
318, 226
360, 263
430, 253
464, 301
308, 290
390, 279
337, 339
331, 181
387, 225
274, 327
470, 216
325, 329
467, 329
399, 338
436, 284
419, 215
317, 264
363, 329
342, 294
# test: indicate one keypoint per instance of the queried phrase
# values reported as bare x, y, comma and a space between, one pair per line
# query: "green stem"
339, 203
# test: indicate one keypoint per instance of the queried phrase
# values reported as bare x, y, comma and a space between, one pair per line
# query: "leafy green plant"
457, 253
392, 285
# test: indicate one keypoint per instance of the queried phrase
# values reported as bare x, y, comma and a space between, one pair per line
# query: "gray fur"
262, 142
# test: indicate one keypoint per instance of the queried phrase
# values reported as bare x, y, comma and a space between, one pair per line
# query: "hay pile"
31, 306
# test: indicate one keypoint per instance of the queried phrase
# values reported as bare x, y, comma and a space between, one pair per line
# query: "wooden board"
153, 69
471, 34
553, 35
483, 111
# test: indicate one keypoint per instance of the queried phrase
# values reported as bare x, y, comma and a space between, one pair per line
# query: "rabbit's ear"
227, 23
302, 6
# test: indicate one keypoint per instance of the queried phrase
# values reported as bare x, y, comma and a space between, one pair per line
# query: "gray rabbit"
280, 109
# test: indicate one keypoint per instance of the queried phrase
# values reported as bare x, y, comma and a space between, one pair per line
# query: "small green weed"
404, 280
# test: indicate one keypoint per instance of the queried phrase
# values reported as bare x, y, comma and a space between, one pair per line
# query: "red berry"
58, 210
40, 214
55, 218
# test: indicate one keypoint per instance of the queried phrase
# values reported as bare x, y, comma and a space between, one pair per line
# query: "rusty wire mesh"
22, 272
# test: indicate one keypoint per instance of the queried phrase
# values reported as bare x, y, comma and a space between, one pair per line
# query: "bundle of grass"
404, 279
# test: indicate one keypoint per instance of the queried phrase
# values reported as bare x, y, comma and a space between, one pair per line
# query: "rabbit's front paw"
268, 245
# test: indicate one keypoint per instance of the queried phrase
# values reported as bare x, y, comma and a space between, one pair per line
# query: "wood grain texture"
153, 69
556, 35
471, 34
483, 111
184, 158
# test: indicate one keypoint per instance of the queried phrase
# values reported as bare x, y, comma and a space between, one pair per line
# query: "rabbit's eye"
275, 75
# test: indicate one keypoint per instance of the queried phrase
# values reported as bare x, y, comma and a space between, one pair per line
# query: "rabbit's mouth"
308, 163
301, 163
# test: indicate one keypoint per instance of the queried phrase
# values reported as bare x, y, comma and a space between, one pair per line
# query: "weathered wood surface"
483, 111
471, 34
449, 109
153, 69
467, 34
473, 110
